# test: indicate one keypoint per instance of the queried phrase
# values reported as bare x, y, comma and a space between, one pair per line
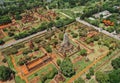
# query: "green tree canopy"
114, 76
67, 67
101, 77
5, 73
116, 63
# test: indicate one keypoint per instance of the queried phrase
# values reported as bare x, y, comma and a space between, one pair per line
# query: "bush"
79, 80
5, 20
34, 57
91, 70
18, 17
37, 40
48, 49
10, 34
116, 63
35, 74
88, 76
25, 52
54, 41
4, 60
89, 40
75, 35
20, 63
36, 48
1, 42
61, 36
58, 62
83, 52
43, 78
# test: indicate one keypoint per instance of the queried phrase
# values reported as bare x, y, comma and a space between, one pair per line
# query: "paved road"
97, 28
22, 40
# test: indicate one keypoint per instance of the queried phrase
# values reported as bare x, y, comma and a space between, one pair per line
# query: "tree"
79, 80
116, 63
18, 17
114, 76
67, 67
88, 76
101, 77
91, 70
5, 73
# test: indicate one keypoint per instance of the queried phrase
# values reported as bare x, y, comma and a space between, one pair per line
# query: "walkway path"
87, 68
66, 15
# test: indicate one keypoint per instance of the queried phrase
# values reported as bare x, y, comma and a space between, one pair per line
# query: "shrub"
83, 52
25, 52
1, 42
10, 34
20, 63
43, 78
88, 76
75, 35
91, 70
4, 60
35, 74
36, 49
116, 63
61, 36
48, 49
58, 62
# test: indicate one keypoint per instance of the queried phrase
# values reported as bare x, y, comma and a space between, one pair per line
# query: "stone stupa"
65, 46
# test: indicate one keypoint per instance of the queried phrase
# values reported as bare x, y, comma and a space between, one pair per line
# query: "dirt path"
87, 68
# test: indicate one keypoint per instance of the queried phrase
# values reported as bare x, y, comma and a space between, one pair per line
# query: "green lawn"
19, 80
9, 62
92, 81
80, 65
43, 70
